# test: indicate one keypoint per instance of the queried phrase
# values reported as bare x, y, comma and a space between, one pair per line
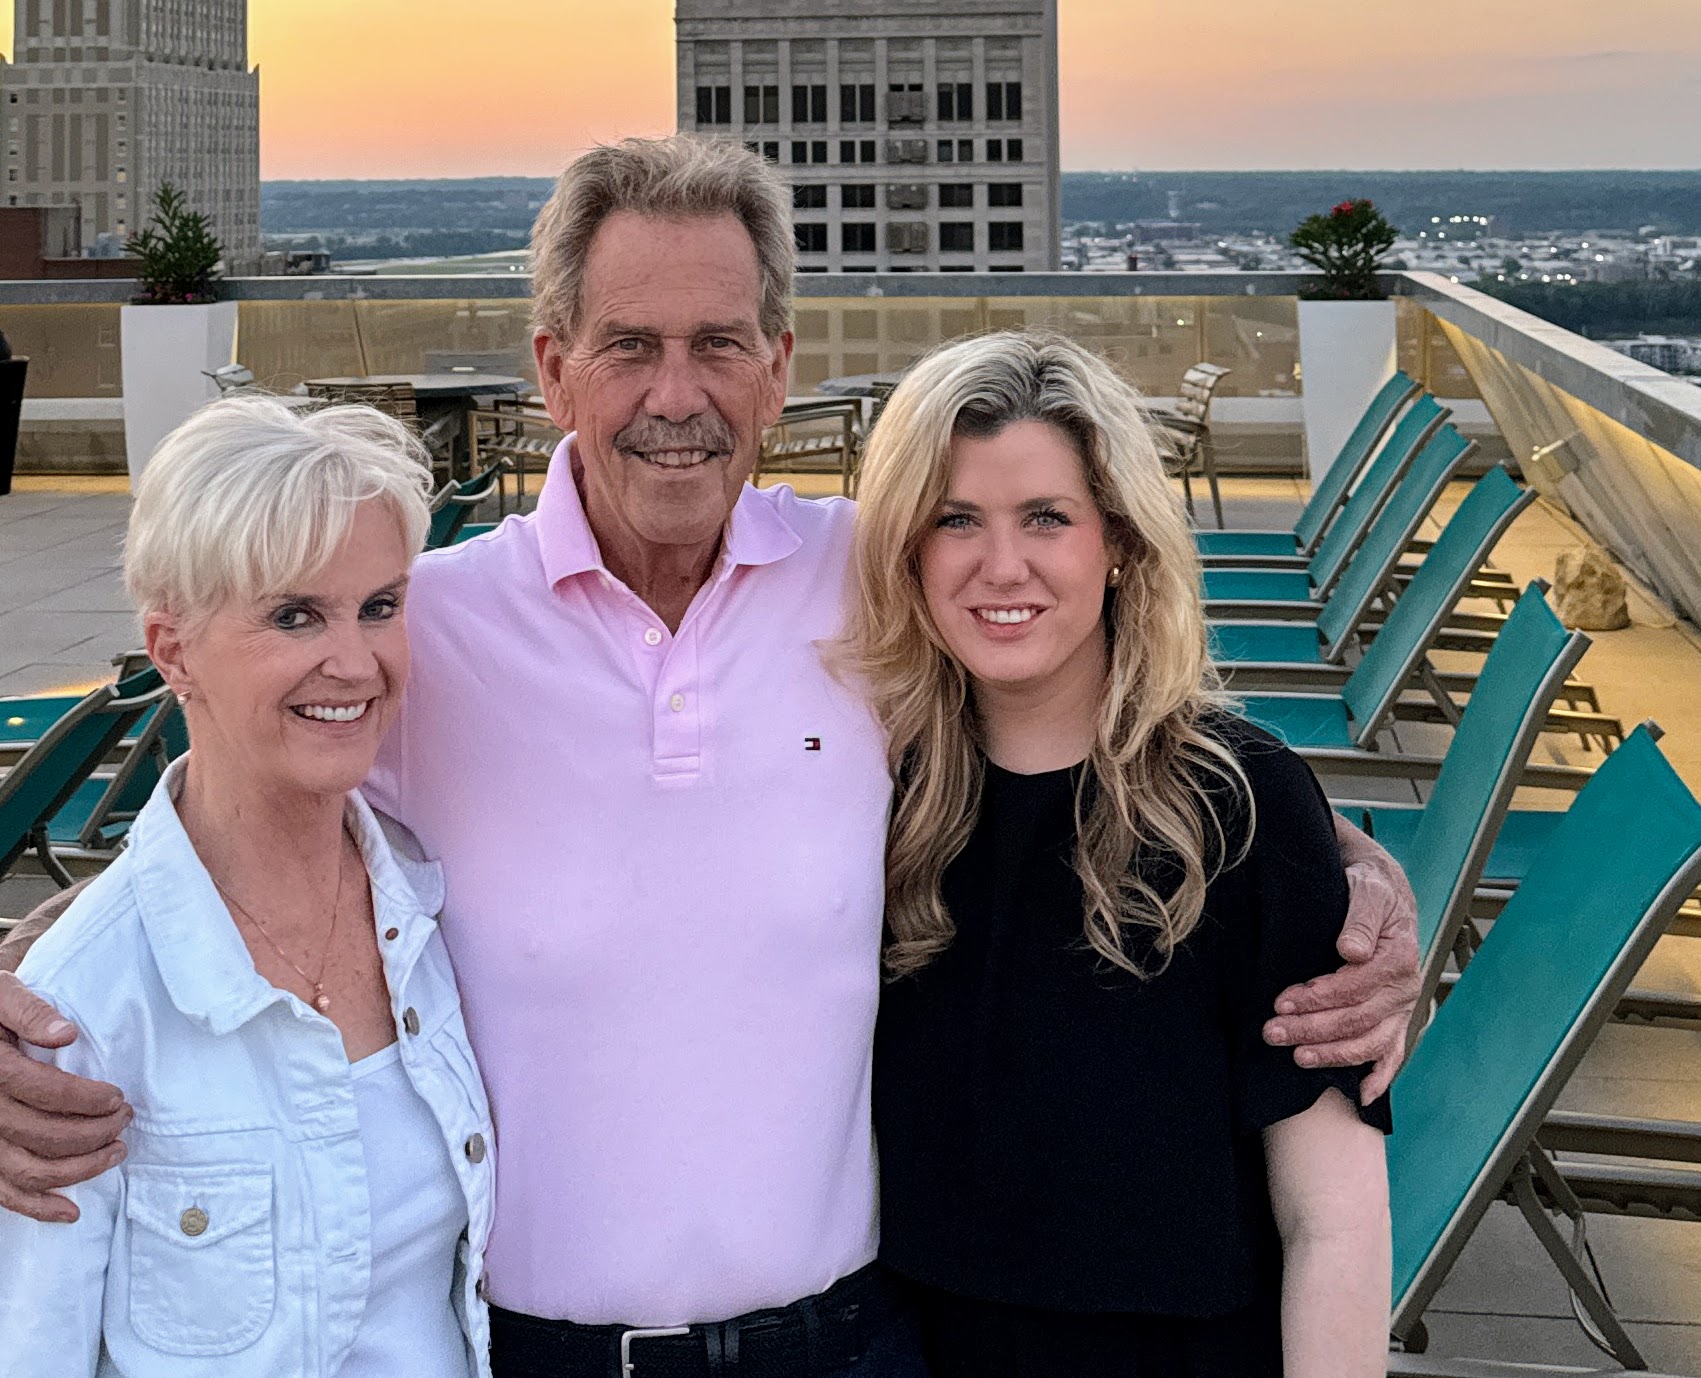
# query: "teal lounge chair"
1488, 1069
1450, 835
1236, 593
1318, 575
1245, 649
455, 502
1296, 545
50, 772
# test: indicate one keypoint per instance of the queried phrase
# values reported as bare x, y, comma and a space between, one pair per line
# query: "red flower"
1345, 208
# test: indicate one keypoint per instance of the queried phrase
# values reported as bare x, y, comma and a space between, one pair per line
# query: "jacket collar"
201, 957
756, 533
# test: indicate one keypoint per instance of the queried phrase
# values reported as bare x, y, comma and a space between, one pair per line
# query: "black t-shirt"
1057, 1136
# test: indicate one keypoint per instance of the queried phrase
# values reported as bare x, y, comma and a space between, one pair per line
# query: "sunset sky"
457, 88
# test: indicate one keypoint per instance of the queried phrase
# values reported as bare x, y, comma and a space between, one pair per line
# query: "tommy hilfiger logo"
811, 743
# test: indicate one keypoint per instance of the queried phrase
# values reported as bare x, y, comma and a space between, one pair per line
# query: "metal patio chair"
1185, 432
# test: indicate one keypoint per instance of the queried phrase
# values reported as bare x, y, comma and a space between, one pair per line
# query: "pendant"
322, 1002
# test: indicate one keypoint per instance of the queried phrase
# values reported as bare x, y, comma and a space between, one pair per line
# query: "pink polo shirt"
663, 859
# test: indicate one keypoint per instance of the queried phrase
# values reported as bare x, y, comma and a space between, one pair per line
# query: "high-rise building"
916, 134
106, 99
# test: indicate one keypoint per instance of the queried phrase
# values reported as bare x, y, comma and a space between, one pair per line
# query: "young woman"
1098, 881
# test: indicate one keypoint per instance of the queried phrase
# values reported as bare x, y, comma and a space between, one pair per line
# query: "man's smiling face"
668, 380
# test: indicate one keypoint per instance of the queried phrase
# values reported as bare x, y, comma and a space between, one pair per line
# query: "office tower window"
714, 105
811, 239
1003, 150
761, 104
809, 150
1004, 100
1003, 193
857, 197
857, 238
956, 100
856, 103
1004, 234
809, 198
956, 195
956, 237
956, 150
809, 105
1007, 268
856, 151
769, 150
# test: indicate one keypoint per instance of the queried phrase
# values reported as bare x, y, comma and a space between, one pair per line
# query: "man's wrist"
33, 925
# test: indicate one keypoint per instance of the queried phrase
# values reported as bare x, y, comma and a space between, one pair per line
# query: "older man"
661, 822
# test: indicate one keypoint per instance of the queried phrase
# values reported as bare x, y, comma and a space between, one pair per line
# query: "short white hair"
250, 496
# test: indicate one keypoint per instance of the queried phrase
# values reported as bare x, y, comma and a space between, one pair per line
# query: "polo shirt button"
410, 1021
475, 1148
677, 703
652, 637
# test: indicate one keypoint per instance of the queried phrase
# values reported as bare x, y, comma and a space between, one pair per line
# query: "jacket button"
391, 934
475, 1148
193, 1222
410, 1021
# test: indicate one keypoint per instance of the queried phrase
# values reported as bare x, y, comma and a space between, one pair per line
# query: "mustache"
707, 432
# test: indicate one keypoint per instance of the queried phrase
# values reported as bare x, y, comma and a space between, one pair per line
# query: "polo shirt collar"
757, 532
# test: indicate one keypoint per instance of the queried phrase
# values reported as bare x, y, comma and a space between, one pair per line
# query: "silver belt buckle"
627, 1336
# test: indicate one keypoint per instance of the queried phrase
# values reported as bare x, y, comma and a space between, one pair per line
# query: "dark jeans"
895, 1353
522, 1349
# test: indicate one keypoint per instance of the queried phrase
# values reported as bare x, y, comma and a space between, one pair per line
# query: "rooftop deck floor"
64, 615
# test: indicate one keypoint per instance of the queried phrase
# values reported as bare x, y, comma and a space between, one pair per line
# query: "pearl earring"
1115, 576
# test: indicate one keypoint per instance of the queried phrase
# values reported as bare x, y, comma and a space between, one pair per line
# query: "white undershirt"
418, 1214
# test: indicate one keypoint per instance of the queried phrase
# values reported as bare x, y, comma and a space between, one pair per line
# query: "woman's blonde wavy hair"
1154, 771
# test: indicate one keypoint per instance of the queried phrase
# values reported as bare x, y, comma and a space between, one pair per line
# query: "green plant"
177, 252
1347, 245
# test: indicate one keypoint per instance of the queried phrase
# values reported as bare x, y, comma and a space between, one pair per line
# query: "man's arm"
56, 1129
1360, 1013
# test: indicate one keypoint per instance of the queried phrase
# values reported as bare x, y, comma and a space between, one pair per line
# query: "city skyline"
376, 90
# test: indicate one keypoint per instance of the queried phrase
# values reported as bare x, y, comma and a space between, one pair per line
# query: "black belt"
821, 1334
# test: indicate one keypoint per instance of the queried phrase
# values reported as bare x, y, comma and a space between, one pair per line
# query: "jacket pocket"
202, 1272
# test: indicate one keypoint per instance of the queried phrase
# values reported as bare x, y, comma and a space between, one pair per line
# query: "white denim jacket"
235, 1239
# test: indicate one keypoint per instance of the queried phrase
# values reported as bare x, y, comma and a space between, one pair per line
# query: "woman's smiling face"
1015, 568
296, 689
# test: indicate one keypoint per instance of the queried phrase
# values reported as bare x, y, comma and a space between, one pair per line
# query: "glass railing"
1622, 441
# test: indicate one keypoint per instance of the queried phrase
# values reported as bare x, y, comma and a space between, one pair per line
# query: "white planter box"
1346, 353
166, 352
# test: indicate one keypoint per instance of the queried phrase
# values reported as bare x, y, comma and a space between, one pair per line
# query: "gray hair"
249, 496
681, 176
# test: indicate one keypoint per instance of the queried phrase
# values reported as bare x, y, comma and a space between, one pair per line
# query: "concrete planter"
1346, 352
166, 352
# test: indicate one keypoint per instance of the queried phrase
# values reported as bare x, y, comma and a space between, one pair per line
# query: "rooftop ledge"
1664, 409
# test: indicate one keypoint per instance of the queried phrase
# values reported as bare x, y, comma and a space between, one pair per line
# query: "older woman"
1098, 881
306, 1186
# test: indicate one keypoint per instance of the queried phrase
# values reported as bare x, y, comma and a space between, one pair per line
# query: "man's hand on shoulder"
55, 1129
1361, 1013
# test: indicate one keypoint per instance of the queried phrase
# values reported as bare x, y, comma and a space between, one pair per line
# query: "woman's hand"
1329, 1191
1359, 1014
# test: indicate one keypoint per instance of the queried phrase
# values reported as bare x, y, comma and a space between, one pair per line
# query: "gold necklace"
321, 1001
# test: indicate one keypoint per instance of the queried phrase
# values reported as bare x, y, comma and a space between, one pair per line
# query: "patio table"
441, 396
